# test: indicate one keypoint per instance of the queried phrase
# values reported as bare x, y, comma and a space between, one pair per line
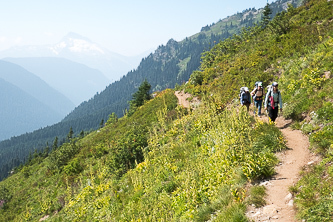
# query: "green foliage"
257, 196
140, 96
26, 171
313, 193
112, 119
99, 150
60, 157
70, 134
55, 144
196, 78
5, 196
296, 46
266, 15
73, 167
323, 139
325, 113
273, 142
188, 164
128, 151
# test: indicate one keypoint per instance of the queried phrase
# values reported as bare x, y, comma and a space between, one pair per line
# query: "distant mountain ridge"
76, 81
81, 50
35, 86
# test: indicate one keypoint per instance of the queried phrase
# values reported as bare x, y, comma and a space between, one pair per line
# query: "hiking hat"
246, 89
260, 84
275, 84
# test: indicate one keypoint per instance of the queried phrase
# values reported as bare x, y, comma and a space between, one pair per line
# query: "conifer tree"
55, 143
70, 134
266, 16
46, 150
112, 118
140, 96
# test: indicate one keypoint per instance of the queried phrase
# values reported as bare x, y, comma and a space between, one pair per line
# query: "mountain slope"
74, 80
168, 163
168, 66
20, 112
36, 87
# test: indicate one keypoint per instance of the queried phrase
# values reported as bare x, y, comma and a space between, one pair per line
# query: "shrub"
196, 78
326, 112
73, 167
257, 196
5, 196
322, 139
60, 157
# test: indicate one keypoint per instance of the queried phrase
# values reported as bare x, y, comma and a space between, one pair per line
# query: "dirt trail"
183, 100
279, 200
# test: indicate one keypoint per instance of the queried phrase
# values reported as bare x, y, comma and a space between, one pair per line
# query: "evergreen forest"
159, 161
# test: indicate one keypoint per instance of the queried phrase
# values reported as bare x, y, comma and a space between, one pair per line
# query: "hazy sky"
128, 27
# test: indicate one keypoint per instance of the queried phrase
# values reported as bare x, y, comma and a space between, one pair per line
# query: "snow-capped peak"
77, 44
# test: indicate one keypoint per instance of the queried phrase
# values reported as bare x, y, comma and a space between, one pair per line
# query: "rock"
328, 73
265, 183
291, 203
288, 197
44, 218
269, 210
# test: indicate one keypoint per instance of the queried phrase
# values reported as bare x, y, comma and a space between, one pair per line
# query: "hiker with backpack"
257, 95
272, 101
245, 97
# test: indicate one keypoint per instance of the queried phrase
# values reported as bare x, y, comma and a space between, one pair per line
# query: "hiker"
245, 97
257, 95
272, 102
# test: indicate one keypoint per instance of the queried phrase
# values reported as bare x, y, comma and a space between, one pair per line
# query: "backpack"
256, 88
270, 96
247, 95
241, 90
269, 88
256, 84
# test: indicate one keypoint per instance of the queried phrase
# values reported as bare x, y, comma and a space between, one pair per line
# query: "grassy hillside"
165, 163
168, 66
296, 49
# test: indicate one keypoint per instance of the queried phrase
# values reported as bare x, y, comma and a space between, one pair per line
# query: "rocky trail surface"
279, 201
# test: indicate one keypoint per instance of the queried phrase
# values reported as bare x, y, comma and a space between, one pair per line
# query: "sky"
127, 27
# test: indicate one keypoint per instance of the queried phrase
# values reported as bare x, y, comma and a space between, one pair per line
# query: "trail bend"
279, 201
